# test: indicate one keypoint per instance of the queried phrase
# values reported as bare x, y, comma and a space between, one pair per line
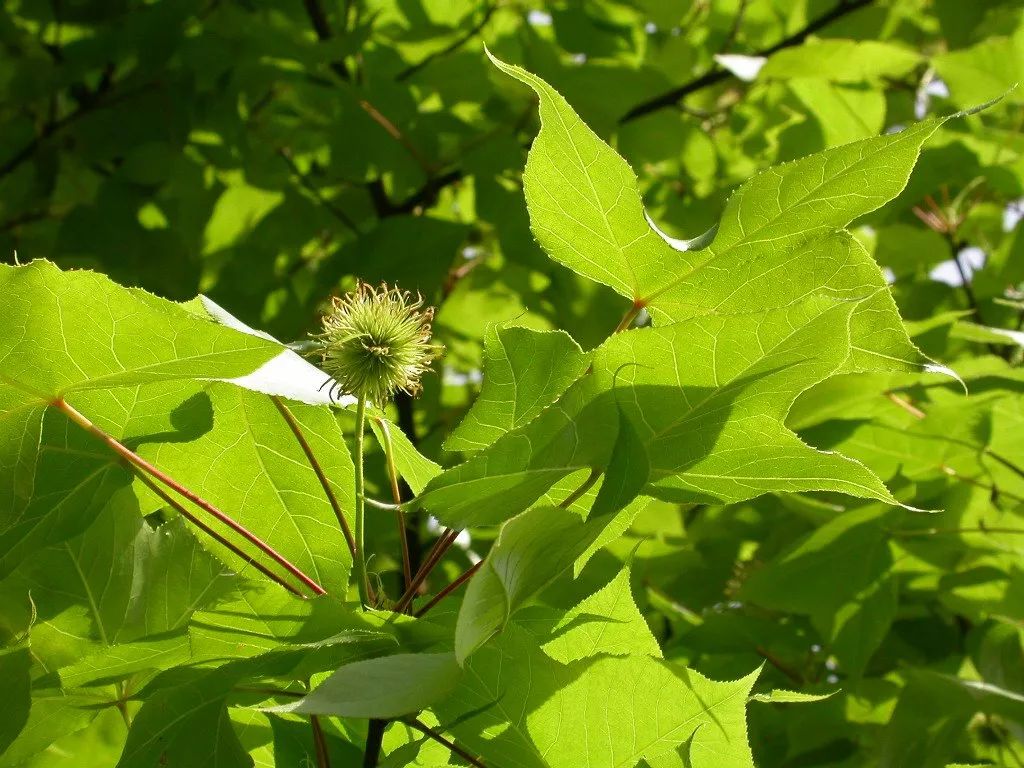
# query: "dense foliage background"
268, 154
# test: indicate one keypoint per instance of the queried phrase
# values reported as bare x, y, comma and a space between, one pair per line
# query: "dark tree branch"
472, 32
310, 187
322, 27
429, 732
718, 74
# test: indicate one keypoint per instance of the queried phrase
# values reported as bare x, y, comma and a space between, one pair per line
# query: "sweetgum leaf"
607, 622
71, 334
71, 331
524, 372
586, 211
516, 706
705, 401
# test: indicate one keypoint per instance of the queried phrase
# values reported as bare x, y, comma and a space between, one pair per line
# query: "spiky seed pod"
376, 340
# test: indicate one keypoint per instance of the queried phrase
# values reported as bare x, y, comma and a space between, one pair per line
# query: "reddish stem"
296, 429
467, 574
442, 546
180, 508
140, 463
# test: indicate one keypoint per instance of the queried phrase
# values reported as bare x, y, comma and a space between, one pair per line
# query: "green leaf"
525, 372
15, 662
706, 401
515, 706
842, 61
586, 210
839, 576
54, 714
186, 725
77, 334
117, 662
531, 550
781, 696
72, 331
386, 687
415, 468
607, 622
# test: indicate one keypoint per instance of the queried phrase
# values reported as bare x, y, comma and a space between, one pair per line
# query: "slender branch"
394, 132
718, 74
322, 27
412, 69
323, 758
140, 463
360, 556
95, 102
429, 732
181, 510
906, 405
466, 576
296, 429
389, 456
784, 668
308, 185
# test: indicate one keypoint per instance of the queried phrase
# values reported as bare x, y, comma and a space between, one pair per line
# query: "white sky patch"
539, 18
746, 68
890, 276
1012, 214
650, 28
287, 375
931, 87
947, 272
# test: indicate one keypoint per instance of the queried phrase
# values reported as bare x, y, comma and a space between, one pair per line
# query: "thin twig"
140, 463
906, 405
412, 69
429, 732
322, 27
466, 576
717, 74
296, 429
784, 668
308, 185
584, 487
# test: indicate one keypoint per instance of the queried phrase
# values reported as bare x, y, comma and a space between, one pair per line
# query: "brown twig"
718, 74
784, 668
412, 69
429, 732
323, 758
